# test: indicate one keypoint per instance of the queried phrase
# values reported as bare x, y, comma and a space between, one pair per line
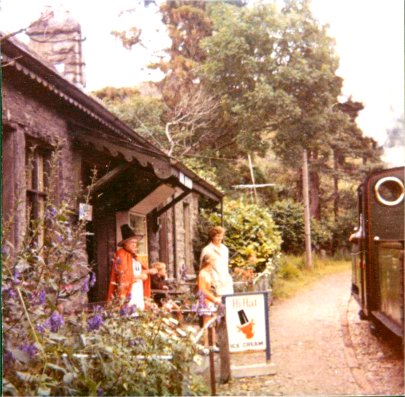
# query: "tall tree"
307, 73
348, 145
187, 23
275, 75
274, 72
190, 109
239, 69
239, 78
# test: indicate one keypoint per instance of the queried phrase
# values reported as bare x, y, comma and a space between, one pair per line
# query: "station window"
37, 166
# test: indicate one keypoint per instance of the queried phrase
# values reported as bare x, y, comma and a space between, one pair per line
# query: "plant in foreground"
54, 344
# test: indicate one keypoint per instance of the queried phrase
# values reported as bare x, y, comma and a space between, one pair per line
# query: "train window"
389, 190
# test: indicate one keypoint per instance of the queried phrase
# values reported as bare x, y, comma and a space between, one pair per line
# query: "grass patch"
292, 275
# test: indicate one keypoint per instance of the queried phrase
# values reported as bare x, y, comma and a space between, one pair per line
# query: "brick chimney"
57, 37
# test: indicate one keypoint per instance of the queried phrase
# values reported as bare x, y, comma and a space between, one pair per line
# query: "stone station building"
44, 106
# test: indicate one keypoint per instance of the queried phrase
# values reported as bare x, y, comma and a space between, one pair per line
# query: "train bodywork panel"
378, 252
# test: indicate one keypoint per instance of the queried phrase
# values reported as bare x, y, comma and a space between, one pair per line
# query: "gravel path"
309, 347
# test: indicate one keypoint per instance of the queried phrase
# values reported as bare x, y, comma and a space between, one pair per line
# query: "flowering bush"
253, 240
251, 235
244, 275
54, 344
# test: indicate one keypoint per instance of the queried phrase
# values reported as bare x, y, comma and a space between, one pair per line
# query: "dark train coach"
378, 251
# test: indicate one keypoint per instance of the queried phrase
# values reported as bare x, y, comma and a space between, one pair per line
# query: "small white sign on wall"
247, 322
85, 212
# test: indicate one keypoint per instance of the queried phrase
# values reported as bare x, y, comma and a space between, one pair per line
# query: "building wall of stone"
194, 223
185, 253
36, 119
177, 247
13, 184
27, 118
170, 241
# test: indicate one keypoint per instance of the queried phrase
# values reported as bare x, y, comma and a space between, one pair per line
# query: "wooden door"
104, 247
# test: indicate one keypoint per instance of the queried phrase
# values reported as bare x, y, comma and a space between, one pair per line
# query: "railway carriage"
378, 250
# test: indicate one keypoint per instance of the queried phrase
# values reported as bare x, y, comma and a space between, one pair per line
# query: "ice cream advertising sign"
247, 321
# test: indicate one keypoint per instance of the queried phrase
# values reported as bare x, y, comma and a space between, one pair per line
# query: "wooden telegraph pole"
252, 175
307, 218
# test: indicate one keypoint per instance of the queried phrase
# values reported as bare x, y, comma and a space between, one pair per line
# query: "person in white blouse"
222, 280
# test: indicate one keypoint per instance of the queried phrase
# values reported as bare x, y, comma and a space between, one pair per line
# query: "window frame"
37, 164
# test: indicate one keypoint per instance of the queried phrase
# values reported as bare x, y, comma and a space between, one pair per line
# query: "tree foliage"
238, 69
187, 23
275, 72
271, 74
289, 217
144, 113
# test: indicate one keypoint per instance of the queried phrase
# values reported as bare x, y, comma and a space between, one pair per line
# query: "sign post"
247, 320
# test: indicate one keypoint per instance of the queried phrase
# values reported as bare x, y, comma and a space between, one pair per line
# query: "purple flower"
95, 322
30, 349
41, 328
42, 297
8, 358
50, 212
127, 311
56, 321
16, 277
10, 292
137, 342
92, 280
85, 285
100, 391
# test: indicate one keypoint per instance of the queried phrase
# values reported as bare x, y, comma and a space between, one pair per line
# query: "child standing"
161, 298
205, 283
158, 283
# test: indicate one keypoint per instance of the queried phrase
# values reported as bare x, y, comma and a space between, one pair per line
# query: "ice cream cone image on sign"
246, 326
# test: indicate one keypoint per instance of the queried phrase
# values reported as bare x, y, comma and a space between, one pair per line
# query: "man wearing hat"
129, 281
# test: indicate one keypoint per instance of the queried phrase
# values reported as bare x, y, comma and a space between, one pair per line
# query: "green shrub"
289, 217
288, 271
251, 235
326, 234
322, 234
290, 267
